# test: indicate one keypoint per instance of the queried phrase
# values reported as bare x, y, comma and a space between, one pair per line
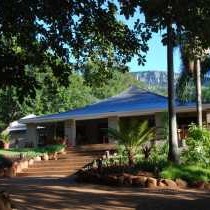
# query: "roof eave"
179, 109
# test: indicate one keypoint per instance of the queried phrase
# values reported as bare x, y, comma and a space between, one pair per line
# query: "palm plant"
192, 55
132, 135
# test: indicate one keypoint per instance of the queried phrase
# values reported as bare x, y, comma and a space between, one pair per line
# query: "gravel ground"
58, 193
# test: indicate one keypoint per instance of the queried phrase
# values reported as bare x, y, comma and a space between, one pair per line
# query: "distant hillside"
153, 78
156, 81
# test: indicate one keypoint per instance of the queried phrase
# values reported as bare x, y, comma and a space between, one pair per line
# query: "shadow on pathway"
35, 193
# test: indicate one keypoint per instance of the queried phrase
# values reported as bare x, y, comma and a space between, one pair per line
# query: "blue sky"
156, 56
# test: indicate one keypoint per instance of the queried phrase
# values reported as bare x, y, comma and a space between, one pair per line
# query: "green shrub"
198, 146
31, 152
122, 155
53, 148
132, 135
155, 163
157, 159
189, 173
159, 152
5, 136
50, 148
16, 153
151, 165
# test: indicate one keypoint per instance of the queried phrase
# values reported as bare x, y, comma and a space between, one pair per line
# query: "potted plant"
5, 138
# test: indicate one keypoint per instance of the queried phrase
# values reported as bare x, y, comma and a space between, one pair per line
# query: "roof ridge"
157, 94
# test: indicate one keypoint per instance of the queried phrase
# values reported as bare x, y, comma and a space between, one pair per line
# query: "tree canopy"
178, 17
190, 19
33, 33
51, 97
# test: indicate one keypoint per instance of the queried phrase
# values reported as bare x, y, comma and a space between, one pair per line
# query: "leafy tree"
73, 97
176, 17
98, 70
192, 56
118, 83
160, 15
132, 135
33, 33
54, 98
10, 108
18, 68
196, 45
50, 97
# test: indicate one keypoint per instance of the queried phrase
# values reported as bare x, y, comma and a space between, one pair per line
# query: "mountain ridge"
154, 78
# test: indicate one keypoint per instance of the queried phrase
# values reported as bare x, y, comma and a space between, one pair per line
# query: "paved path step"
48, 173
48, 164
66, 165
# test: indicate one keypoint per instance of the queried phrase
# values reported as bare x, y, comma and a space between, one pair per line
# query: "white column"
113, 122
208, 118
70, 131
160, 125
32, 134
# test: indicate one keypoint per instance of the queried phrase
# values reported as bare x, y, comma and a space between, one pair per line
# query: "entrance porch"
93, 131
82, 132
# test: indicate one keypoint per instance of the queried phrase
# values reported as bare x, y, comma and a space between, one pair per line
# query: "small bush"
53, 148
198, 146
157, 159
159, 152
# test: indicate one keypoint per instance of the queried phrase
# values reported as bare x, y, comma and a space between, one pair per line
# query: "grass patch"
189, 173
17, 153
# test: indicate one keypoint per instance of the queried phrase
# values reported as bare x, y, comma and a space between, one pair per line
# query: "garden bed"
122, 176
139, 163
167, 178
13, 161
27, 153
145, 174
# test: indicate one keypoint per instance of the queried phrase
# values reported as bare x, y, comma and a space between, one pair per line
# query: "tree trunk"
173, 155
198, 91
130, 157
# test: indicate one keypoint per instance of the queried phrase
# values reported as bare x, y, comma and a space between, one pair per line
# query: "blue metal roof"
131, 100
